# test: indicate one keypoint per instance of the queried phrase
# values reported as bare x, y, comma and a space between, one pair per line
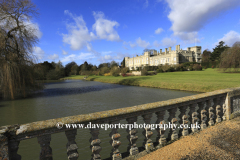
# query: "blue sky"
99, 31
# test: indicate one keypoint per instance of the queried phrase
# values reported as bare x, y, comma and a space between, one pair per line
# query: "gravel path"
221, 141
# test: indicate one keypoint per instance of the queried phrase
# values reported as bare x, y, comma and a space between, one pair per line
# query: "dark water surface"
74, 97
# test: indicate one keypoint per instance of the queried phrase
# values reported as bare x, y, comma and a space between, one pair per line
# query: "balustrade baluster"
202, 106
71, 145
218, 114
95, 144
116, 155
203, 119
162, 139
160, 117
185, 125
13, 148
132, 147
182, 110
224, 112
174, 135
195, 122
192, 109
211, 116
172, 113
46, 150
147, 132
209, 105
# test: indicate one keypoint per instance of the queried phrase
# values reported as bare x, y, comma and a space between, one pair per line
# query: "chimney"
165, 50
160, 51
170, 49
189, 49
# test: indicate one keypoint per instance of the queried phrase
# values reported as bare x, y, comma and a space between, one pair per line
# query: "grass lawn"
199, 81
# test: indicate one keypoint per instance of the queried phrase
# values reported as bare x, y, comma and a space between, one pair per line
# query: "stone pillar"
13, 143
46, 150
182, 110
132, 147
211, 116
95, 144
71, 145
147, 133
218, 114
172, 113
162, 140
192, 109
116, 155
174, 135
194, 122
185, 125
160, 117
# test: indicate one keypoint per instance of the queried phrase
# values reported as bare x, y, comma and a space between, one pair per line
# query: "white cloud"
142, 43
156, 44
230, 38
74, 57
38, 52
132, 45
158, 31
168, 42
145, 4
78, 35
53, 57
188, 16
118, 57
105, 28
64, 52
191, 37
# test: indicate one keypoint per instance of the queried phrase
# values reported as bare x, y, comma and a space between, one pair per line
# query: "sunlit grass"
199, 81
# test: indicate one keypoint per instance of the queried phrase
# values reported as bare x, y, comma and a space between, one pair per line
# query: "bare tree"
17, 38
230, 59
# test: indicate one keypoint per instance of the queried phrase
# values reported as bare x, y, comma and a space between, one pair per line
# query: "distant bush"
197, 67
104, 70
170, 69
53, 75
115, 71
144, 72
165, 67
125, 70
159, 70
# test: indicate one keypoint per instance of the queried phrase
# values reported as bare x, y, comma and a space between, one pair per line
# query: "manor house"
192, 54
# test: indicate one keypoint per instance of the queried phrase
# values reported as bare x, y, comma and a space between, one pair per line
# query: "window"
174, 58
168, 59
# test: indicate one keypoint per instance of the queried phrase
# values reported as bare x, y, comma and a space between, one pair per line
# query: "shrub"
197, 67
190, 68
171, 69
159, 70
53, 75
124, 70
115, 71
165, 67
104, 70
144, 72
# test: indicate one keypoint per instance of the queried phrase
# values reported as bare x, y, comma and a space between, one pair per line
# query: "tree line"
55, 71
222, 57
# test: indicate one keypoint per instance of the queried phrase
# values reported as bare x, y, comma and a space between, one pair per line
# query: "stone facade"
192, 54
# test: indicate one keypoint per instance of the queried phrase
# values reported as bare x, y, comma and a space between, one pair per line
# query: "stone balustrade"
207, 109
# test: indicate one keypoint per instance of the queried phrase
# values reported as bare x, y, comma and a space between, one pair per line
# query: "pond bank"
196, 81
